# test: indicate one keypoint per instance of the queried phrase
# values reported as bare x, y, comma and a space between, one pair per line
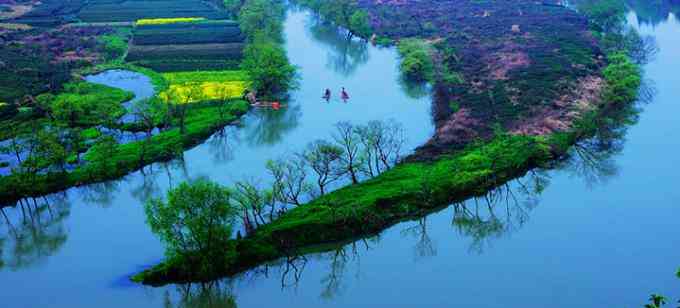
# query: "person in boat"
327, 95
344, 95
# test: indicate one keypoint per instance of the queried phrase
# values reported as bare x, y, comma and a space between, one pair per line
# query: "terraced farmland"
132, 10
207, 45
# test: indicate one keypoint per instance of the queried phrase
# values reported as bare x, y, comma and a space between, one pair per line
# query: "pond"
598, 233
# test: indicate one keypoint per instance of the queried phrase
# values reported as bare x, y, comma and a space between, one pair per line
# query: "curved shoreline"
202, 122
409, 190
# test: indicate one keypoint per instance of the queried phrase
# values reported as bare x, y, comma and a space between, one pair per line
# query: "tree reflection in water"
345, 54
214, 294
593, 159
33, 230
268, 126
482, 219
223, 143
101, 194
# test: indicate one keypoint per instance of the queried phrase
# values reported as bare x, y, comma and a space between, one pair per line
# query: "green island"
494, 122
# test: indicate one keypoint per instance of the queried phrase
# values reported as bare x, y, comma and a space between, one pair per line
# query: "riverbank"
409, 190
112, 161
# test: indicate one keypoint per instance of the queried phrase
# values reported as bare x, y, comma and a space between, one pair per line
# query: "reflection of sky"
606, 244
107, 234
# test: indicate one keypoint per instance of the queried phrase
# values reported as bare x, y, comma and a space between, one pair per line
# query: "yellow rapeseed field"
203, 91
163, 21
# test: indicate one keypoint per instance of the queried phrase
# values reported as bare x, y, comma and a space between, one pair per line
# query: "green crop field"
132, 10
188, 33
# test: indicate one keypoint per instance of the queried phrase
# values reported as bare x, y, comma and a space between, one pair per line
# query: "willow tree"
195, 222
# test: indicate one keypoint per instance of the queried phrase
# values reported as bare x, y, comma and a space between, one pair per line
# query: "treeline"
264, 58
197, 219
344, 13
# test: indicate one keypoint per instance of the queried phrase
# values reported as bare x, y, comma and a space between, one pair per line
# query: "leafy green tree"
233, 6
324, 158
100, 156
51, 150
416, 62
604, 15
359, 24
656, 301
268, 68
623, 79
261, 18
194, 222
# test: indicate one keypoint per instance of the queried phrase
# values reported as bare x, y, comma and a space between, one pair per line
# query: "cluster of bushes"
264, 59
106, 159
416, 59
344, 13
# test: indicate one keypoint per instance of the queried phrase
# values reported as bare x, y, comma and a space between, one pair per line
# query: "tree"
101, 155
346, 138
149, 113
656, 301
50, 150
68, 109
416, 62
290, 177
261, 18
233, 6
359, 24
268, 68
604, 15
180, 97
323, 158
251, 202
194, 222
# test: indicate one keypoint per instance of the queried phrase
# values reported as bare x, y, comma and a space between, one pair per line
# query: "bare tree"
323, 158
382, 142
251, 202
290, 177
346, 138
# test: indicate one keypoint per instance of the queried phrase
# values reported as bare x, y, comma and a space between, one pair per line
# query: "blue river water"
599, 230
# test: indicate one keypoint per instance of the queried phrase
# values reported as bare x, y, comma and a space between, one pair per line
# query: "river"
581, 235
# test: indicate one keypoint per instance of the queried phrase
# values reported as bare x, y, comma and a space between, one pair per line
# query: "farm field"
321, 153
192, 87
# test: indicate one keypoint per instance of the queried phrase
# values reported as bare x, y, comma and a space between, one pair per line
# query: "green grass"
409, 190
202, 121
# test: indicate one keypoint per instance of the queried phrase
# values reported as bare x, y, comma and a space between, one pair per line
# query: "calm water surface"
592, 233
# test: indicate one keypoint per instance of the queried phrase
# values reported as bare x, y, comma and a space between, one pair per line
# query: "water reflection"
213, 294
223, 143
593, 159
34, 231
345, 54
481, 220
653, 12
266, 127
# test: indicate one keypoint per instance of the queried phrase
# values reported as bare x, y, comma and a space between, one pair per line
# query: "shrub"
197, 218
416, 59
268, 69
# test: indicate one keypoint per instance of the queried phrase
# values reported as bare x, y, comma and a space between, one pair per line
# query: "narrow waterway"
598, 231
